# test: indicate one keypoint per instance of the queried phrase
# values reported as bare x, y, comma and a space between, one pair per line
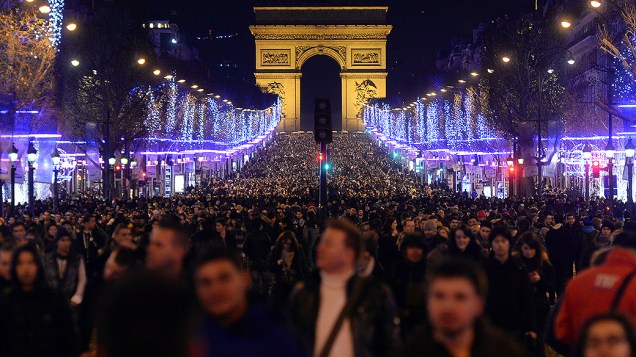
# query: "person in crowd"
90, 244
49, 237
223, 236
456, 299
432, 239
603, 288
444, 232
147, 315
122, 238
6, 251
368, 264
18, 233
559, 242
540, 272
167, 249
235, 323
388, 251
602, 240
407, 281
510, 304
484, 234
35, 319
318, 302
257, 248
65, 270
122, 262
606, 335
288, 266
461, 244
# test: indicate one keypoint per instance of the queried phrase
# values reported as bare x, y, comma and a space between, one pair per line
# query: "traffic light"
511, 171
322, 121
327, 166
320, 158
596, 169
118, 168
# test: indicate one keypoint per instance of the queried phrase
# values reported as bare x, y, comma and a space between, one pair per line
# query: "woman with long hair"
288, 265
460, 244
36, 320
541, 273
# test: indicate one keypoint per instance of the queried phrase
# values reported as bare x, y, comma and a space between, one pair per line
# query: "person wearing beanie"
510, 302
431, 238
607, 287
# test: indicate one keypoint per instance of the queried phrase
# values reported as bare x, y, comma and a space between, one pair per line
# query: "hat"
481, 214
431, 224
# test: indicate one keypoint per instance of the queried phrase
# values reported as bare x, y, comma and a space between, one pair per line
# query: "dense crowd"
245, 267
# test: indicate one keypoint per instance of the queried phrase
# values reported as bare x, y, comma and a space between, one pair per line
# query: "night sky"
421, 29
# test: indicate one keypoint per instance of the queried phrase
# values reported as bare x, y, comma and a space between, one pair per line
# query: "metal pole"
55, 190
31, 190
322, 194
630, 187
12, 189
610, 167
587, 181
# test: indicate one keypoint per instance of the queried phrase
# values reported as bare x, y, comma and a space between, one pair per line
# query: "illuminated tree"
27, 59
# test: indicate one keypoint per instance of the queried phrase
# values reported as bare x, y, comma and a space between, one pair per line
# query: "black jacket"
488, 342
510, 304
374, 323
34, 324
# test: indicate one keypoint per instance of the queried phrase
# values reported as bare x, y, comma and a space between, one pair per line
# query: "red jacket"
593, 291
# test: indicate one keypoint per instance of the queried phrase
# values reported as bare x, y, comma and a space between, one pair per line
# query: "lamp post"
13, 157
55, 158
587, 155
133, 184
510, 161
609, 153
32, 156
111, 166
520, 187
124, 169
629, 162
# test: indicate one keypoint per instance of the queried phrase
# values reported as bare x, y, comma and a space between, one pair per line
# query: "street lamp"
112, 161
595, 3
13, 157
32, 156
629, 162
587, 155
510, 161
55, 159
609, 153
71, 26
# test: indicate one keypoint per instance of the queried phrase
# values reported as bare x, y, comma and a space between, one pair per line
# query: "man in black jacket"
370, 327
456, 300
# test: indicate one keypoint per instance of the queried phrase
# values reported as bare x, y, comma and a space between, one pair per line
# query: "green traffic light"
326, 166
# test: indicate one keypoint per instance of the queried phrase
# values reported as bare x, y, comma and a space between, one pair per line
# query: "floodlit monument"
354, 36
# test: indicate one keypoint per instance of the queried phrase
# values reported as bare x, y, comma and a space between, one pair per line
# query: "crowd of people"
247, 266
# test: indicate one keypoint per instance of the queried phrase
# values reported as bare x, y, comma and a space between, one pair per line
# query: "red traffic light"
511, 169
143, 174
595, 163
320, 157
118, 168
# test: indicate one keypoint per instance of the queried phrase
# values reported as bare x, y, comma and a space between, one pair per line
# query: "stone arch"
337, 53
354, 36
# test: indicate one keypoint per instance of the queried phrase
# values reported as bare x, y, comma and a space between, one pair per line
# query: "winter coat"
36, 323
510, 304
374, 324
